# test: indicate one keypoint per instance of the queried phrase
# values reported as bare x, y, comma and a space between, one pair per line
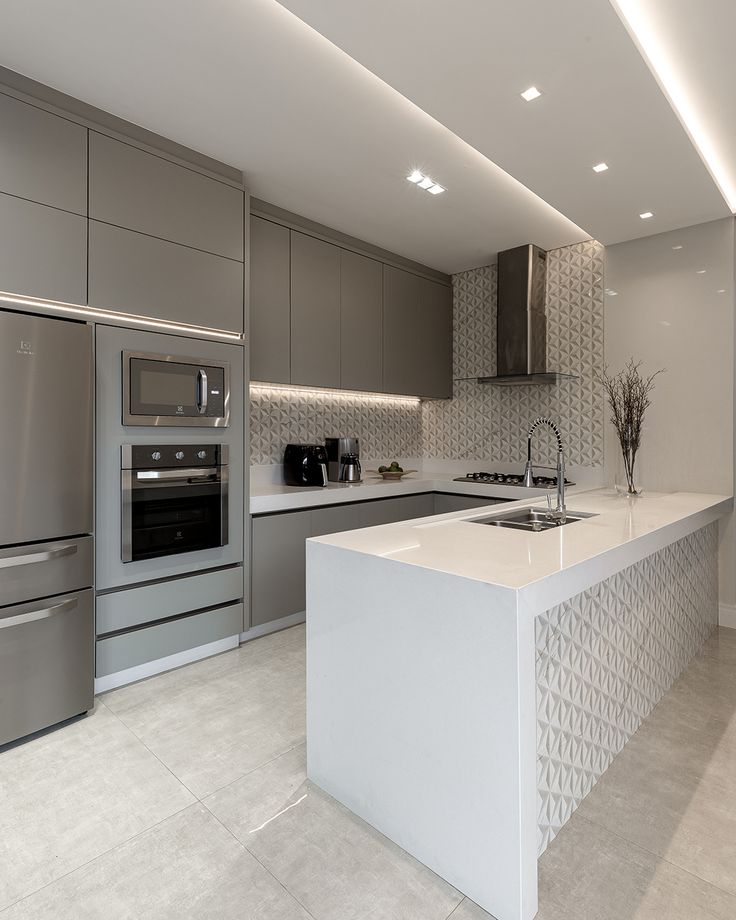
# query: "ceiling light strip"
345, 395
72, 309
648, 40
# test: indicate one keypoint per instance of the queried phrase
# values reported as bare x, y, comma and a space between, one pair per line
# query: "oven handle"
196, 473
203, 391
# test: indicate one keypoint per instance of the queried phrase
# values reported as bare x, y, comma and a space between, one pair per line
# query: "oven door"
170, 511
160, 390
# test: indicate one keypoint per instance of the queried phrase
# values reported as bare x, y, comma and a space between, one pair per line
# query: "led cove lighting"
600, 167
529, 94
60, 306
343, 395
646, 215
648, 38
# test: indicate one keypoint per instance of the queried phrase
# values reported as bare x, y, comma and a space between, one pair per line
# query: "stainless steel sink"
534, 520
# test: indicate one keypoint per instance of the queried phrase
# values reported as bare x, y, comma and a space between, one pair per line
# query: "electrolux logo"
25, 348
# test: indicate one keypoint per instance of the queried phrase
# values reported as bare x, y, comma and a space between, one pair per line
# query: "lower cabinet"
278, 571
445, 503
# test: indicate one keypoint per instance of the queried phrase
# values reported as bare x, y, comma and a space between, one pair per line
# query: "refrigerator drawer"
46, 663
42, 569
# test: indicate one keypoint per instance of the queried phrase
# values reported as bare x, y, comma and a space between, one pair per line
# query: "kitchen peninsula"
468, 684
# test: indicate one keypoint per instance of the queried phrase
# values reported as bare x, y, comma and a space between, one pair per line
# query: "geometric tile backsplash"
606, 657
480, 422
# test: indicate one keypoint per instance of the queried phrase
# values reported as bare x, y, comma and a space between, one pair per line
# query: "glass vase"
626, 472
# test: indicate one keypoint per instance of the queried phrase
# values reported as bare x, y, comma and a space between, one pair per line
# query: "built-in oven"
174, 390
174, 499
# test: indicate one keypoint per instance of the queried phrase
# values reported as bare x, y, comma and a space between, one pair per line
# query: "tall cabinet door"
417, 335
361, 307
315, 312
270, 305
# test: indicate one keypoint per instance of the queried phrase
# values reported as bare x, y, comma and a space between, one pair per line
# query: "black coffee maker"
305, 465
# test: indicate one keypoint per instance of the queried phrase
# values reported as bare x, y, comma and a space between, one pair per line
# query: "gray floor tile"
217, 720
589, 873
467, 910
72, 794
188, 866
336, 865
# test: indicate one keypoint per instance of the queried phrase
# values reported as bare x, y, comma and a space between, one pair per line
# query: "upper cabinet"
270, 302
43, 157
138, 190
315, 312
327, 316
417, 335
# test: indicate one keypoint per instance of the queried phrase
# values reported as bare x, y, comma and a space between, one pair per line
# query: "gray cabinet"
43, 251
278, 569
361, 303
392, 510
43, 157
146, 276
132, 188
270, 302
315, 312
417, 335
443, 503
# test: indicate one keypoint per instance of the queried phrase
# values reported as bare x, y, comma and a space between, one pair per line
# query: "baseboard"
274, 626
727, 615
141, 671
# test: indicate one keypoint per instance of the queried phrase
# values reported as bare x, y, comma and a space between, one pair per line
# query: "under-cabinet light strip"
345, 395
61, 306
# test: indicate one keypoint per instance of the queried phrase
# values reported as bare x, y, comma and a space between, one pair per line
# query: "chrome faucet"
560, 512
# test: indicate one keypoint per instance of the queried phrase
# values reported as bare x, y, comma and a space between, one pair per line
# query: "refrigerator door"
45, 428
46, 662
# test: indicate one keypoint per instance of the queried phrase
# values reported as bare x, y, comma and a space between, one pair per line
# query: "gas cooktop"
511, 479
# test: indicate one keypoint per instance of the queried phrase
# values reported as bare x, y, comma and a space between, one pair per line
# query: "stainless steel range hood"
521, 331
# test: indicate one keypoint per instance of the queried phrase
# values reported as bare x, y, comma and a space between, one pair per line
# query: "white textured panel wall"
607, 656
484, 422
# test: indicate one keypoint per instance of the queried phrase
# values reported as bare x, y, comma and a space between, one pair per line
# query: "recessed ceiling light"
436, 189
531, 93
675, 248
426, 182
721, 291
600, 167
422, 181
416, 176
645, 215
700, 271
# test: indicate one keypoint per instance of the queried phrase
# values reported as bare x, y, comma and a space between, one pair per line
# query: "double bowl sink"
533, 520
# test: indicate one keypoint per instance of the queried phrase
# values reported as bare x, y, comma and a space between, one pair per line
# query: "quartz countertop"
543, 568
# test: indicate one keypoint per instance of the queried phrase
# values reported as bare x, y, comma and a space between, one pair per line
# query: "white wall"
668, 312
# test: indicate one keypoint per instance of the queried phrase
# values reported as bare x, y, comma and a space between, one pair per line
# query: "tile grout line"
252, 770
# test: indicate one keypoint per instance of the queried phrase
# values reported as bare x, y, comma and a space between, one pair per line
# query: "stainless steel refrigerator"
46, 512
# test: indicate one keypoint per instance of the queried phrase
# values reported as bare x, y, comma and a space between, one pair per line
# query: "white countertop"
271, 496
546, 567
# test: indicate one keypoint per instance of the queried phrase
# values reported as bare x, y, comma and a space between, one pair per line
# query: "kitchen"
184, 307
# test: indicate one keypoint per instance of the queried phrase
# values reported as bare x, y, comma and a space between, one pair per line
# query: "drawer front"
46, 663
43, 156
149, 603
43, 251
150, 277
132, 188
41, 569
118, 653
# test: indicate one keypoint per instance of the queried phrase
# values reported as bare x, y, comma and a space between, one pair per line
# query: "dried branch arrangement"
629, 396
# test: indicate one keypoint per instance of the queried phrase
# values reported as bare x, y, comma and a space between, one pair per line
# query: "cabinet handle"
10, 562
42, 614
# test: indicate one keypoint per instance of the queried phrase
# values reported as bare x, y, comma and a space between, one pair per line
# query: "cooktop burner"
511, 479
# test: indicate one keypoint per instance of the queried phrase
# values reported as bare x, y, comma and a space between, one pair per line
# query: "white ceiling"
466, 63
316, 132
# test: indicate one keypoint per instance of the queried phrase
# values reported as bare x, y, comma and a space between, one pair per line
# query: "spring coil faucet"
560, 512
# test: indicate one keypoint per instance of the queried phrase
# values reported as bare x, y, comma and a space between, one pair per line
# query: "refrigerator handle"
42, 614
11, 562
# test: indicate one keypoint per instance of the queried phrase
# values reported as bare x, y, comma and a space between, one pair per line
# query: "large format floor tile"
216, 720
70, 795
336, 865
188, 866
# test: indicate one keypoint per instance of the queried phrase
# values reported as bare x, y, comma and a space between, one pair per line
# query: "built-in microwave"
174, 390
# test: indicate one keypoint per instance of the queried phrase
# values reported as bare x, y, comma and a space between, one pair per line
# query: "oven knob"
179, 455
156, 455
202, 454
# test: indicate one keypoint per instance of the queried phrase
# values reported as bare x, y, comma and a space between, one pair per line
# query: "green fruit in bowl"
383, 469
395, 468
